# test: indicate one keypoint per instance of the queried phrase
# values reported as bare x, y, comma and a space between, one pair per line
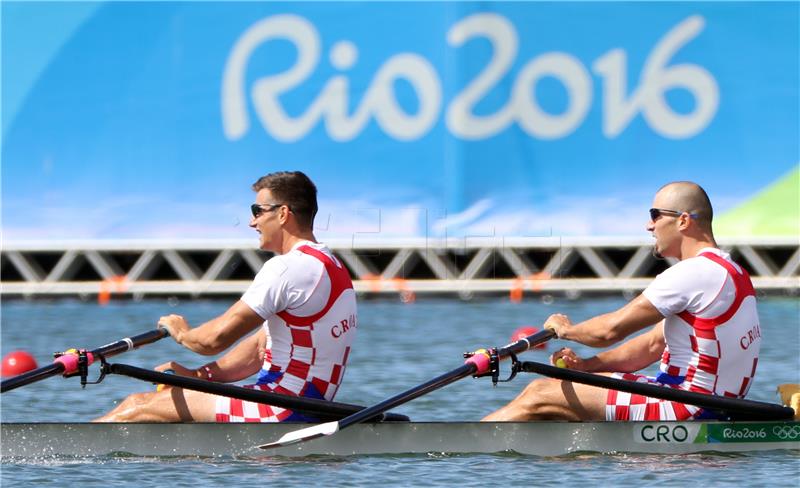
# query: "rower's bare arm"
632, 355
241, 362
608, 329
217, 334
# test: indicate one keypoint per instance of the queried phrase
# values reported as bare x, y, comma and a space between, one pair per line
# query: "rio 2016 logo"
787, 432
379, 103
744, 433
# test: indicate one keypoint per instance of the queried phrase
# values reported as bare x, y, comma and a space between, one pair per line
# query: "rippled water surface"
399, 345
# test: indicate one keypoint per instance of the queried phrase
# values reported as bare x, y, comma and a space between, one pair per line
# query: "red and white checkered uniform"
309, 303
712, 334
630, 406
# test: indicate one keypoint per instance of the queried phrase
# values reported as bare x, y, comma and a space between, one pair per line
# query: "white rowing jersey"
711, 328
307, 300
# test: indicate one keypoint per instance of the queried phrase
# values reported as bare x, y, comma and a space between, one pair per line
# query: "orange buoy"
17, 362
525, 331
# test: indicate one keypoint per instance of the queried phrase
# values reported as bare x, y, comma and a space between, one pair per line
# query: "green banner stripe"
752, 432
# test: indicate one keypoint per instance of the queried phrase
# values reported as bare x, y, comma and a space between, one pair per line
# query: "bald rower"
701, 321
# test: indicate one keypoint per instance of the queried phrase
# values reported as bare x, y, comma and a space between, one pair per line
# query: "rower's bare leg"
167, 405
550, 399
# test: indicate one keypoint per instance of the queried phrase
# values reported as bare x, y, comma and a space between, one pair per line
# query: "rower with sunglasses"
298, 320
702, 325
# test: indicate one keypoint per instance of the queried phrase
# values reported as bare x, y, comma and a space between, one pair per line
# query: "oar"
68, 363
479, 363
735, 408
318, 408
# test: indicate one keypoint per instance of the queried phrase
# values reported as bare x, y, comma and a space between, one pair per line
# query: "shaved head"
686, 196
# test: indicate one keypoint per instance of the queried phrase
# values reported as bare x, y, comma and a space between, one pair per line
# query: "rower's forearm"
226, 373
632, 355
599, 331
205, 339
241, 362
612, 362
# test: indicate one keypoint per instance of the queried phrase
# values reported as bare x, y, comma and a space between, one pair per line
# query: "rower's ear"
684, 220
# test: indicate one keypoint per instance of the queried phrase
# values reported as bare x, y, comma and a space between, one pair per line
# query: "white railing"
378, 266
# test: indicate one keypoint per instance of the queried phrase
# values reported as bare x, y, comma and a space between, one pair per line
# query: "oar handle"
482, 361
129, 343
67, 363
526, 343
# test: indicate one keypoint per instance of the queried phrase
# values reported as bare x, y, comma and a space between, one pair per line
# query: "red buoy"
16, 363
525, 331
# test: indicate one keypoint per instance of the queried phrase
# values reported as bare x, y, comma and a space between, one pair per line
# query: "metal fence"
407, 267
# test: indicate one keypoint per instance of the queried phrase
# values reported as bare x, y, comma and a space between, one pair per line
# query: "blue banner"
152, 120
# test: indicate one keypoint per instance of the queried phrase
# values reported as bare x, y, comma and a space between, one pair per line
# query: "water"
398, 346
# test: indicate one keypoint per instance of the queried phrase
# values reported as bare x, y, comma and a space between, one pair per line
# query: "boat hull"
41, 440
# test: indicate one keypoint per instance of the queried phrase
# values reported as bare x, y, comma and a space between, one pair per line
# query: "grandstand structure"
408, 267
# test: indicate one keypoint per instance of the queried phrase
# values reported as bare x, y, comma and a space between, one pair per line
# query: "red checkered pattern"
710, 338
713, 355
307, 354
629, 406
235, 410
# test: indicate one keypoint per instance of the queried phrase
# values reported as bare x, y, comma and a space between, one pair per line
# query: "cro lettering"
664, 433
619, 105
343, 326
752, 335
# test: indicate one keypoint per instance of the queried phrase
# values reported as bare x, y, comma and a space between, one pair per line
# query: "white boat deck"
42, 440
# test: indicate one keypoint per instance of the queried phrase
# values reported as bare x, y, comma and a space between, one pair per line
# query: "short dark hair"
294, 189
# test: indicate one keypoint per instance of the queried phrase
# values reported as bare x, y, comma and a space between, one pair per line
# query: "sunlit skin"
680, 236
278, 231
677, 236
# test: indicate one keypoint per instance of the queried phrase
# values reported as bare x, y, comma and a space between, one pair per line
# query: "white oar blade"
302, 435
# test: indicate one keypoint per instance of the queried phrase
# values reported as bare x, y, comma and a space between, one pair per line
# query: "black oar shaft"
735, 408
408, 395
131, 342
462, 371
318, 408
108, 350
39, 374
526, 343
480, 362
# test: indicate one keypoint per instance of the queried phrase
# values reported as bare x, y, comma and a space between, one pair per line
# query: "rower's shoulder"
699, 263
295, 266
693, 273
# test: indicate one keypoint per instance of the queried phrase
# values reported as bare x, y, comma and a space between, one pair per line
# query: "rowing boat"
45, 440
751, 426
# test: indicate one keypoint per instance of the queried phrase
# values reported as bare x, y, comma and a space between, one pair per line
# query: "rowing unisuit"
712, 333
307, 300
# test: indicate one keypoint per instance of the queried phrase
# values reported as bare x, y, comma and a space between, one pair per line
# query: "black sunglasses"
655, 213
257, 209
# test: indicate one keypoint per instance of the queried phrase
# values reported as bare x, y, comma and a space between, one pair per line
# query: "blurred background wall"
151, 120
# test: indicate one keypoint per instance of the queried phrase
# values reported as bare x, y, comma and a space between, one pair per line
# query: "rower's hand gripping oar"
75, 362
476, 364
